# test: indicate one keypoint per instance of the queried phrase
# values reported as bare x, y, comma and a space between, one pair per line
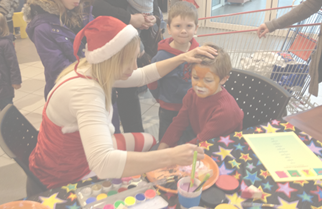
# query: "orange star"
265, 174
264, 195
72, 196
301, 182
237, 175
238, 134
258, 130
288, 126
205, 145
245, 157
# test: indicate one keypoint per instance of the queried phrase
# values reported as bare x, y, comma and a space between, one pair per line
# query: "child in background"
10, 77
170, 90
208, 108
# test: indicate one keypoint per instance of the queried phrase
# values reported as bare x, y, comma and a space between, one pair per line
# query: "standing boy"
207, 108
170, 90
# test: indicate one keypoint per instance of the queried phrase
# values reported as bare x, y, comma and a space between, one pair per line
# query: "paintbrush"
202, 183
195, 155
254, 204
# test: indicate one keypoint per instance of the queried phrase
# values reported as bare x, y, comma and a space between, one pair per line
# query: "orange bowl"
23, 204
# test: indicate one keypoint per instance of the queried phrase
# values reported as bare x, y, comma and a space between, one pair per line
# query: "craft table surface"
234, 157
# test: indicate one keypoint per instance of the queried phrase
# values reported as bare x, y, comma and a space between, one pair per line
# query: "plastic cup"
188, 199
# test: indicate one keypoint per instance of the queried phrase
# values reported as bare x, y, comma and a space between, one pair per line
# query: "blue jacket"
170, 90
9, 68
54, 44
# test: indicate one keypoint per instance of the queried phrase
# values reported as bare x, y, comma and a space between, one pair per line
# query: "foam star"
75, 206
286, 189
303, 138
70, 187
301, 182
224, 171
275, 122
89, 179
258, 130
259, 162
237, 175
312, 207
169, 195
245, 157
287, 205
265, 174
239, 147
234, 163
250, 166
239, 135
247, 145
51, 201
270, 129
226, 140
243, 186
288, 126
318, 192
264, 195
315, 149
235, 200
72, 196
215, 158
308, 136
252, 177
305, 197
224, 153
318, 182
205, 145
267, 186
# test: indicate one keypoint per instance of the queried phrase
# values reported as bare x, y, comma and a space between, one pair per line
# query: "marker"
195, 154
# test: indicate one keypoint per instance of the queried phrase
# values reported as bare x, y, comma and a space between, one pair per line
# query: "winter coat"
7, 8
53, 41
9, 68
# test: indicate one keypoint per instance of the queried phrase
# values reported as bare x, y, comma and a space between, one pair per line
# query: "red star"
245, 157
215, 158
288, 126
205, 145
247, 145
258, 130
72, 196
172, 207
275, 122
238, 134
237, 175
169, 195
265, 174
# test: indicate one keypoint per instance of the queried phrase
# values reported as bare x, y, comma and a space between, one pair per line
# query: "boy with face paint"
207, 107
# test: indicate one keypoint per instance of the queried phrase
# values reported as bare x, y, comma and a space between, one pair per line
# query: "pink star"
243, 186
226, 140
275, 122
286, 189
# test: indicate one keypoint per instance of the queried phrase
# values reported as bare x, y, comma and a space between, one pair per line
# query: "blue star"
224, 171
255, 155
318, 192
252, 177
239, 147
213, 139
75, 206
305, 197
267, 186
250, 166
259, 162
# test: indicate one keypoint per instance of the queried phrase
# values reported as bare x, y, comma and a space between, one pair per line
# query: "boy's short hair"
183, 9
221, 65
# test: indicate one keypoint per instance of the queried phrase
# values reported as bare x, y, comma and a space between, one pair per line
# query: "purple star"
250, 166
318, 192
286, 189
243, 186
224, 171
315, 149
226, 140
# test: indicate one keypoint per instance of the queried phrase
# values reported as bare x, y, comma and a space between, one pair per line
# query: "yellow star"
288, 126
158, 192
265, 174
287, 205
223, 153
301, 182
318, 142
70, 187
312, 207
239, 135
234, 163
205, 145
237, 175
235, 200
264, 195
51, 201
270, 129
318, 182
72, 196
89, 179
245, 157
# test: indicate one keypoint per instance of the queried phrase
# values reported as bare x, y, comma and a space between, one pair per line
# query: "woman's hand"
204, 50
183, 154
262, 30
137, 20
16, 86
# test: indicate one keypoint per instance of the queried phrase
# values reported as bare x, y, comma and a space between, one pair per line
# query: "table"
234, 157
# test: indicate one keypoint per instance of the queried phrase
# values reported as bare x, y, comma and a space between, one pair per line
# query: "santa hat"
105, 37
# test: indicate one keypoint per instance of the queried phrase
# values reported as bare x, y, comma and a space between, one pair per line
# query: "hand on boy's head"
203, 50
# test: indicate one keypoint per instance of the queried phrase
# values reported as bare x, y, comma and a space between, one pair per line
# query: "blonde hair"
183, 9
106, 72
221, 65
4, 29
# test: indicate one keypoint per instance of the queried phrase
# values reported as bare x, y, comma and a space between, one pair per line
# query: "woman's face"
131, 67
70, 4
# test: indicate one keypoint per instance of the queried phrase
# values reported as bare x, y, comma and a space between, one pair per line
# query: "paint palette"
132, 192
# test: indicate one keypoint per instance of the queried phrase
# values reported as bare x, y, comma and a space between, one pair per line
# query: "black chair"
260, 98
17, 139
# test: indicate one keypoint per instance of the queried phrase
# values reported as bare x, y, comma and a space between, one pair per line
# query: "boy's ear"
223, 81
168, 28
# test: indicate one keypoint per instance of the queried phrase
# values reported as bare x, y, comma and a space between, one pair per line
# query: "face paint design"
204, 82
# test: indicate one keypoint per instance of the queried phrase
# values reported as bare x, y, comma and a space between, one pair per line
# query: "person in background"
10, 77
207, 107
170, 90
77, 142
128, 103
299, 13
7, 8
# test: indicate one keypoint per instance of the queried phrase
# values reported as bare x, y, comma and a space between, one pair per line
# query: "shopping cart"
282, 56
